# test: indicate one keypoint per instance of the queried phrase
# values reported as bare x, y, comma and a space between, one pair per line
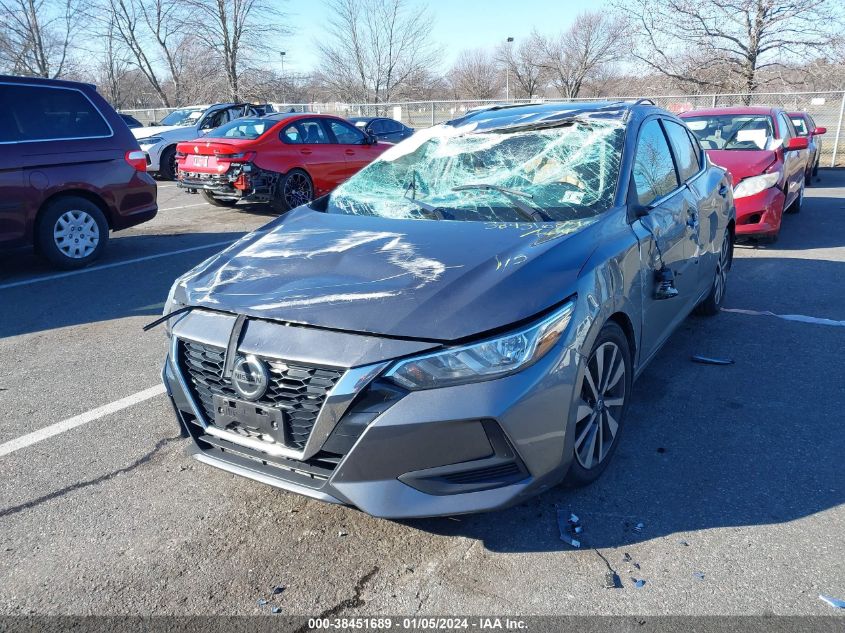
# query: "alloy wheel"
76, 234
602, 402
297, 190
722, 270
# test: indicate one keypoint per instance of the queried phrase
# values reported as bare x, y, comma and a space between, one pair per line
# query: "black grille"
491, 473
298, 390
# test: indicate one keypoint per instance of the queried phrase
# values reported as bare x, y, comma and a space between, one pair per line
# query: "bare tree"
373, 47
127, 18
729, 41
476, 75
593, 42
35, 35
236, 30
527, 76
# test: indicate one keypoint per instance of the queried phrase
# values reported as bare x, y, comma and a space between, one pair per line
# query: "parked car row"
770, 160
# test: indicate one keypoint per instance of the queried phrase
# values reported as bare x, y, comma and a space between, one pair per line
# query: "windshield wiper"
532, 214
431, 211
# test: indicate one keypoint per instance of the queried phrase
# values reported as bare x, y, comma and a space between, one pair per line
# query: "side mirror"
819, 130
372, 139
797, 142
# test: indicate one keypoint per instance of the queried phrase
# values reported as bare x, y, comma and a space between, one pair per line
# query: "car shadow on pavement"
707, 447
104, 291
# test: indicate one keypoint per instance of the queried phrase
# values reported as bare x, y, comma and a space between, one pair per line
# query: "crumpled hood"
407, 278
742, 163
144, 132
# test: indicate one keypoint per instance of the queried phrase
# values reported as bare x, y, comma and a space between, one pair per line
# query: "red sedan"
765, 156
284, 159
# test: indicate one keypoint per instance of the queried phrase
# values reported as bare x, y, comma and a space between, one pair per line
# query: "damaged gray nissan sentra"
458, 326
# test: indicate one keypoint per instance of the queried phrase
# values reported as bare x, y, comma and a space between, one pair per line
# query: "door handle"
692, 221
306, 152
350, 152
723, 190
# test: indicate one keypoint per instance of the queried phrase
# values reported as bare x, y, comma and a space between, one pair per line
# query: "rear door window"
312, 133
46, 113
654, 172
686, 154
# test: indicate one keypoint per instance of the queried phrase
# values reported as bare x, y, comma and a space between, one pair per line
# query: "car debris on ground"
836, 603
569, 527
706, 360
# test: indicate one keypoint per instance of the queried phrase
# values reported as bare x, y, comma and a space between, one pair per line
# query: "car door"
703, 199
356, 147
667, 237
316, 154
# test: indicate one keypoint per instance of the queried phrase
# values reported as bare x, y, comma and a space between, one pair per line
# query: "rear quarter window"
46, 113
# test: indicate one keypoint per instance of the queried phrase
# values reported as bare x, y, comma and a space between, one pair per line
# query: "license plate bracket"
250, 416
200, 161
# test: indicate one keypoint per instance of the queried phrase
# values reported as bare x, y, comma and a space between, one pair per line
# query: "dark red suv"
70, 170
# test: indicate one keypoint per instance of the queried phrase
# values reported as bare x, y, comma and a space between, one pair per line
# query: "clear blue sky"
458, 24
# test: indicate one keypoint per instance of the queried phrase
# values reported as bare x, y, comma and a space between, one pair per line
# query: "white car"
159, 142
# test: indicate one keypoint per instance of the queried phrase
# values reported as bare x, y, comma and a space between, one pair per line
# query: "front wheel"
796, 205
601, 407
712, 304
217, 202
168, 166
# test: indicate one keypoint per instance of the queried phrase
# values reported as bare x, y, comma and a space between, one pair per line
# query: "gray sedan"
458, 326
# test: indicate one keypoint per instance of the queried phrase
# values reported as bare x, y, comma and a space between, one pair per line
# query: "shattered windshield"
557, 173
733, 131
185, 116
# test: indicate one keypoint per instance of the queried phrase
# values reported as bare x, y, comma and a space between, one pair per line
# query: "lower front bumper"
760, 215
449, 451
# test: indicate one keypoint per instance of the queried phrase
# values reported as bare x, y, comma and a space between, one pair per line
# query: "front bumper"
153, 156
760, 215
389, 452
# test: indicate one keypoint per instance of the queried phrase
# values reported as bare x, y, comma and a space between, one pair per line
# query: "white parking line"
186, 206
71, 423
71, 273
788, 317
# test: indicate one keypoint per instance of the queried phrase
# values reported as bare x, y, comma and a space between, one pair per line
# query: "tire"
796, 205
71, 232
167, 164
293, 189
594, 417
712, 304
217, 202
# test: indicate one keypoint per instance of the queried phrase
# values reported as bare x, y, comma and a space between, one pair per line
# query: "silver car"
459, 326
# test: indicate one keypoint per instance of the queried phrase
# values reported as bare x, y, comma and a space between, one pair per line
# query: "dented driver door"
669, 273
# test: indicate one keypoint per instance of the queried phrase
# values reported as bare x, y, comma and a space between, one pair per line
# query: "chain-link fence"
826, 108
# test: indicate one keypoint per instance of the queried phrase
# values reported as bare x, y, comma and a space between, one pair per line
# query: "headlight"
152, 140
756, 184
486, 360
172, 304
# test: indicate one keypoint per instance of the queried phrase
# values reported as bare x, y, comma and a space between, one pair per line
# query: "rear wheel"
72, 232
217, 202
292, 190
712, 304
601, 407
167, 166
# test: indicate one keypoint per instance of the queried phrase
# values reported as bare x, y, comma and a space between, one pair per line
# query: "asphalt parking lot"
735, 472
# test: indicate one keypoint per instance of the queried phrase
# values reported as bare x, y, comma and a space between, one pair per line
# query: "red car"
765, 156
70, 171
806, 126
284, 159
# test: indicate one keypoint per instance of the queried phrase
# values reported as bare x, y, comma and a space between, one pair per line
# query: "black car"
383, 129
131, 121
